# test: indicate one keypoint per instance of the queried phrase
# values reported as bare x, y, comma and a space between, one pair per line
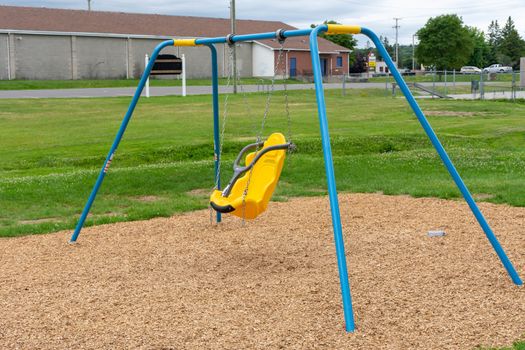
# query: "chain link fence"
442, 84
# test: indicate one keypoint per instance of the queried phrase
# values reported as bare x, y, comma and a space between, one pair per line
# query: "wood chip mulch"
181, 283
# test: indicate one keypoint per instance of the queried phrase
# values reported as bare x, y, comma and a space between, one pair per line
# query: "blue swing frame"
325, 137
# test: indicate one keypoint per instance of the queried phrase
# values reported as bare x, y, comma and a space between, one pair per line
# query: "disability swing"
263, 166
251, 187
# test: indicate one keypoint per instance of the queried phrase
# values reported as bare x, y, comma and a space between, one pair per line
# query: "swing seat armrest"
247, 148
238, 170
262, 152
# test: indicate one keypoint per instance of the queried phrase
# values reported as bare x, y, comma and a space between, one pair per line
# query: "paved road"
158, 91
165, 91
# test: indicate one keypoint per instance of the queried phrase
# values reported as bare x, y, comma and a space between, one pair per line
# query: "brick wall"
304, 63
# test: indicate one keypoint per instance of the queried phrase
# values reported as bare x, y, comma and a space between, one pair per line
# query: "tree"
389, 48
494, 34
405, 56
494, 40
511, 44
480, 56
359, 63
444, 43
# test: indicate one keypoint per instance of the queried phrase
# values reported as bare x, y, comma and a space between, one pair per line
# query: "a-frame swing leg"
216, 140
118, 137
330, 177
127, 117
445, 158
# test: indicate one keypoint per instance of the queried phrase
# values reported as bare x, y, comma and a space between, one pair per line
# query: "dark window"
339, 62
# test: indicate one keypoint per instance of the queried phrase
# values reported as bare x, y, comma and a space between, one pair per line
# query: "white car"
470, 70
497, 68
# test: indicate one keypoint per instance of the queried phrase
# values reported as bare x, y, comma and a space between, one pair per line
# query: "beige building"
44, 43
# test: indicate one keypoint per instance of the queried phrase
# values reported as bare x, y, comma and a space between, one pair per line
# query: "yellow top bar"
342, 29
184, 42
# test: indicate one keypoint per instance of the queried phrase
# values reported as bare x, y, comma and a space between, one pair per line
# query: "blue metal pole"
330, 177
257, 36
445, 158
118, 137
216, 134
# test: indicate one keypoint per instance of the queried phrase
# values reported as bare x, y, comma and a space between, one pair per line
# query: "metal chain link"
288, 121
249, 112
261, 130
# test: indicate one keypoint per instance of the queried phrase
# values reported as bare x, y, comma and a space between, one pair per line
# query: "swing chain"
224, 119
281, 38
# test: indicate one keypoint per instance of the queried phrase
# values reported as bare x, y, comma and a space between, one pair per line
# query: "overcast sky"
377, 15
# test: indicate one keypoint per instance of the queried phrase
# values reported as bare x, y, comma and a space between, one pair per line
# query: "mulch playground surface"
181, 283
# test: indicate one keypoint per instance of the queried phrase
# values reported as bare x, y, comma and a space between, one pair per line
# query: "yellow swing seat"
262, 169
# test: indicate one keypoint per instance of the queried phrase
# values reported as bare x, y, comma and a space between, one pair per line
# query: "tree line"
446, 43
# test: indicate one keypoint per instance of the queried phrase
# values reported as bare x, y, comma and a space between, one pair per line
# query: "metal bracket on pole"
229, 39
279, 35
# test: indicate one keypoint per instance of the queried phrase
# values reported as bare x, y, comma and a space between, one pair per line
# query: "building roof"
81, 21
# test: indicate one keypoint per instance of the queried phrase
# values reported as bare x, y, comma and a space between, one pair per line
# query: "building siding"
42, 59
339, 70
245, 59
263, 61
138, 49
75, 44
101, 58
4, 69
66, 57
198, 61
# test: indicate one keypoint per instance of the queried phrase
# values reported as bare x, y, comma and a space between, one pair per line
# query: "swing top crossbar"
288, 33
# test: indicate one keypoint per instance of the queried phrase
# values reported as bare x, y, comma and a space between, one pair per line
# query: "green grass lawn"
52, 150
109, 83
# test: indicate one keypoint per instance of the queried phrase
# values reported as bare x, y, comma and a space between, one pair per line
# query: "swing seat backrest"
264, 177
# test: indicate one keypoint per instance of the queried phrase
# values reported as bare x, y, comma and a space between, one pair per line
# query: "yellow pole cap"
184, 42
343, 29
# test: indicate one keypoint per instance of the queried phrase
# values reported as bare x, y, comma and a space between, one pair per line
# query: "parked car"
470, 70
497, 68
405, 71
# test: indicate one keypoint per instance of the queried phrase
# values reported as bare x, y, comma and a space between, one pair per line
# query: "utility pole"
396, 27
234, 50
413, 53
89, 5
